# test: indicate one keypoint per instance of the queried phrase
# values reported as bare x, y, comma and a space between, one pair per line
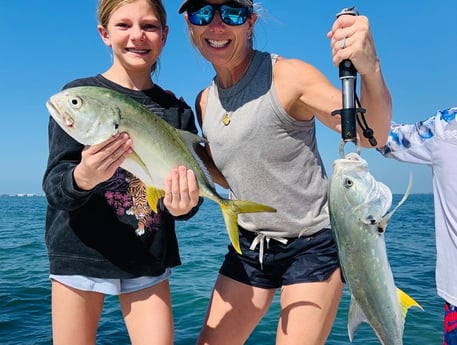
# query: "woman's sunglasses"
230, 15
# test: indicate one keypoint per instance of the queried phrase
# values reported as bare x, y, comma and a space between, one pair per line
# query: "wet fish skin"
358, 206
92, 114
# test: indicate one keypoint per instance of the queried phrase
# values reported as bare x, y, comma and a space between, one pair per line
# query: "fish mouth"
53, 109
352, 159
58, 115
50, 106
353, 156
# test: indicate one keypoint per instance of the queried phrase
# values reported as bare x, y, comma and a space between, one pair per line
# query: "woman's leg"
234, 311
75, 315
308, 311
148, 315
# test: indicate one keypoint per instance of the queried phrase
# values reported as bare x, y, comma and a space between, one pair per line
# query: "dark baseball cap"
187, 3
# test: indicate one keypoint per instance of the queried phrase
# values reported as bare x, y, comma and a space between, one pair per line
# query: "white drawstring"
260, 239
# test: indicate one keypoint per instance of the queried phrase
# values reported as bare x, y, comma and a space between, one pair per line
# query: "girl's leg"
75, 315
148, 315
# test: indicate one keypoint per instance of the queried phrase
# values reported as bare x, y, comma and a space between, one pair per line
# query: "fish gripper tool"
350, 113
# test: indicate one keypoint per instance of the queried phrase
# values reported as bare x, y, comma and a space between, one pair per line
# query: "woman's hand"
181, 191
350, 38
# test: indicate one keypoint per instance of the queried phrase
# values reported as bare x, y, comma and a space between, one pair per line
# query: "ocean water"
25, 316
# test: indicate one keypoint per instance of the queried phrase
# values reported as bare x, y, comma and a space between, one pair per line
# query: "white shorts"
110, 286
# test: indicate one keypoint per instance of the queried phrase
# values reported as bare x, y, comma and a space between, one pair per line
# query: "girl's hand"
99, 162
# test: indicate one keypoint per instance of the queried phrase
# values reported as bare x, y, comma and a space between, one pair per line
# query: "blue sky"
47, 43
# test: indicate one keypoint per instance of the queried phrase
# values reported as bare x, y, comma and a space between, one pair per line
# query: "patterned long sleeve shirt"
433, 142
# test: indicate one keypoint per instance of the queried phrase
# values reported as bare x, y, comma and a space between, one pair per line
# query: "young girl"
101, 235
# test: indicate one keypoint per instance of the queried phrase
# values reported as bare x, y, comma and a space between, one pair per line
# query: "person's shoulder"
448, 119
168, 98
448, 114
168, 94
296, 68
86, 81
293, 62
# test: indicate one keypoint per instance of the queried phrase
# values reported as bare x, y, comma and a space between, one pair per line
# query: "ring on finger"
343, 43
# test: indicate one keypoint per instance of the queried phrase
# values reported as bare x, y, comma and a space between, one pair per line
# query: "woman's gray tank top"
266, 155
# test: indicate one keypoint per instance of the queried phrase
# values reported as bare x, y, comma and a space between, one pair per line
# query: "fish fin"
355, 318
383, 223
153, 195
191, 140
406, 302
230, 210
137, 167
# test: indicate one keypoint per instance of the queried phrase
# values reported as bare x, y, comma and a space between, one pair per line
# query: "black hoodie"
110, 231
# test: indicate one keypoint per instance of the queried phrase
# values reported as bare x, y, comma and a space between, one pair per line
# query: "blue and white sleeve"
414, 143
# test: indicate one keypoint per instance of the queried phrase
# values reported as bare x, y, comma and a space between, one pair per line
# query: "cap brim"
187, 3
184, 6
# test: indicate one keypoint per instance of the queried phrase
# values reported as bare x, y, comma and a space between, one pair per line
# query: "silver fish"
92, 114
358, 206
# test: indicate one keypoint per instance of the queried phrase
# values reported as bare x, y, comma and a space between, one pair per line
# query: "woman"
258, 115
101, 235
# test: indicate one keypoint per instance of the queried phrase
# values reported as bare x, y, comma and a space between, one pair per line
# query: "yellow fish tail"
230, 210
153, 195
406, 302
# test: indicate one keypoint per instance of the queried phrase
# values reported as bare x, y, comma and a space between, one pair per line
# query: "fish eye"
348, 183
76, 102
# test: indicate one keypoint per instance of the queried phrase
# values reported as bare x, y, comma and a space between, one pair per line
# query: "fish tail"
406, 302
153, 195
230, 210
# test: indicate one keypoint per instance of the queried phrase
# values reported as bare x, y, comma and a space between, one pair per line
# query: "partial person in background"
433, 142
259, 115
102, 237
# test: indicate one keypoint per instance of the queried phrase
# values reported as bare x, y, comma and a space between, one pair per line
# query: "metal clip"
349, 10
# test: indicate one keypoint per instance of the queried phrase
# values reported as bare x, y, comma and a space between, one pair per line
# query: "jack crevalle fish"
358, 206
93, 114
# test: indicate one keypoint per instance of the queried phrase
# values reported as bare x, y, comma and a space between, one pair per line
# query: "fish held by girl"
92, 114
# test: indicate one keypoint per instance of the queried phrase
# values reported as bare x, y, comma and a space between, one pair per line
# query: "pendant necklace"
226, 118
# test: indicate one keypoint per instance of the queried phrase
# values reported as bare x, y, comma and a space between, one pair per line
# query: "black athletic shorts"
301, 260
